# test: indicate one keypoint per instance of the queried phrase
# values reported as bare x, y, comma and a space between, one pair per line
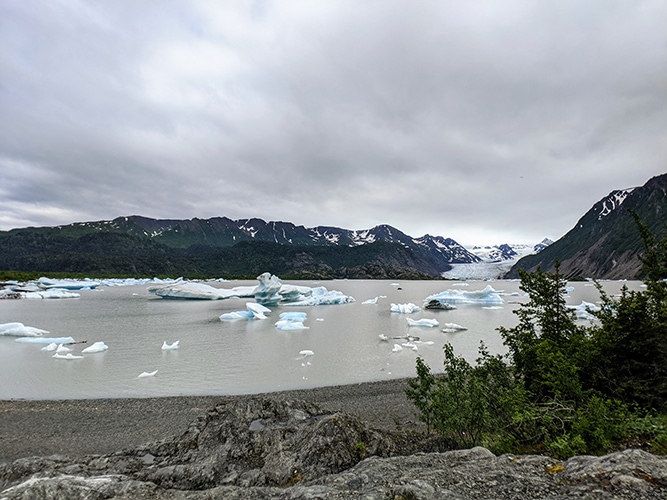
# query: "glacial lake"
245, 356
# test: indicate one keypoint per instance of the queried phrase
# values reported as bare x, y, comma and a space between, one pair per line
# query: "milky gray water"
241, 357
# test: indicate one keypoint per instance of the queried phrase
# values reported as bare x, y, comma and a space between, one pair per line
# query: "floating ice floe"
383, 337
410, 345
584, 310
408, 308
46, 340
292, 320
67, 284
492, 308
96, 347
371, 301
452, 327
253, 311
147, 374
306, 352
487, 296
62, 348
170, 347
55, 293
16, 329
397, 348
270, 291
197, 291
51, 347
422, 322
69, 355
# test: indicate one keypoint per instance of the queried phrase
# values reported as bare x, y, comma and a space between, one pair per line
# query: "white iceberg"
69, 355
320, 296
453, 327
51, 347
408, 308
584, 310
306, 352
383, 337
96, 347
286, 324
67, 284
55, 293
147, 374
270, 291
487, 296
46, 340
267, 292
397, 348
170, 347
410, 345
196, 291
422, 322
253, 311
371, 301
294, 316
16, 329
62, 348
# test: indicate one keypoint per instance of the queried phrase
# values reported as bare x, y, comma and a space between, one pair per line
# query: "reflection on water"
242, 357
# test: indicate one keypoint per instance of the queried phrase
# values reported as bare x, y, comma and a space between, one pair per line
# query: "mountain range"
605, 244
222, 246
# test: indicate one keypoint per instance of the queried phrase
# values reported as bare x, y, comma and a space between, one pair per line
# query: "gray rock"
267, 449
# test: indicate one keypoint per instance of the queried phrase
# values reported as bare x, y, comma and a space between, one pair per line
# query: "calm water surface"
241, 357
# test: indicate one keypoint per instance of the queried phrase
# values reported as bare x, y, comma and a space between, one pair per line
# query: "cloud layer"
482, 121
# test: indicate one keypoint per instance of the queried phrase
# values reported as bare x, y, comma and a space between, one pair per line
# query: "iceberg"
46, 340
20, 330
253, 311
583, 310
196, 291
486, 296
268, 290
405, 308
52, 293
96, 347
294, 316
67, 284
69, 355
306, 352
51, 347
147, 374
371, 301
170, 347
397, 348
422, 322
453, 327
320, 296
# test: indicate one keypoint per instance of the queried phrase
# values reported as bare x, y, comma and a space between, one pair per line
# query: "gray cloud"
482, 121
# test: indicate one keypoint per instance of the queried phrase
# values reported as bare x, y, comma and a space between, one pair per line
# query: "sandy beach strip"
100, 426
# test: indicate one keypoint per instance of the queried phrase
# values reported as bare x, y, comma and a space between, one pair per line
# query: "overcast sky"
484, 121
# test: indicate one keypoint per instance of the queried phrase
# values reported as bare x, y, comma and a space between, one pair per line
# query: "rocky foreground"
264, 448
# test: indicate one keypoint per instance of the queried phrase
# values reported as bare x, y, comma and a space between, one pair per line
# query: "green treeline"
118, 254
562, 388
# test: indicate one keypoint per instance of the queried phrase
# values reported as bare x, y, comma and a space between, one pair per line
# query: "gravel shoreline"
100, 426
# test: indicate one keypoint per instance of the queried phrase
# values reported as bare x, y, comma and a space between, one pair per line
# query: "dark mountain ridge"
222, 246
606, 243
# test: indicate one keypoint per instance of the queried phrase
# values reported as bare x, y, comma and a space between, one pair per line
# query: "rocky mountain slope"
605, 243
260, 448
